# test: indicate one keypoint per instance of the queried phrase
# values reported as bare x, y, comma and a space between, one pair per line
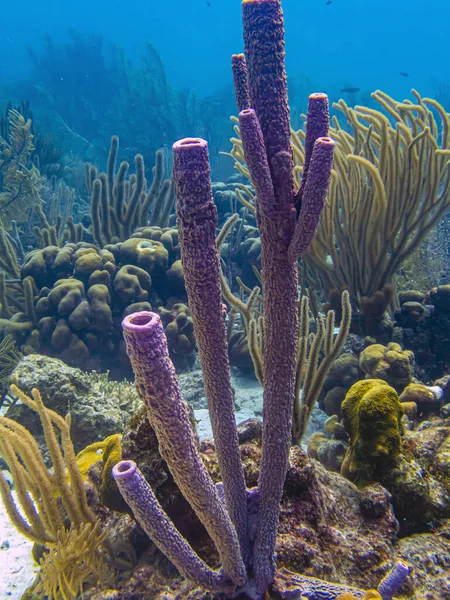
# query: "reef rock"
419, 483
429, 556
98, 407
328, 528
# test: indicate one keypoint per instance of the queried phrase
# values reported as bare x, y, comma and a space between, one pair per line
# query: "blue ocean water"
345, 43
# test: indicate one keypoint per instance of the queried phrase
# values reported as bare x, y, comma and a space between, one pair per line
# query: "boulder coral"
372, 418
76, 296
426, 398
390, 363
179, 329
343, 374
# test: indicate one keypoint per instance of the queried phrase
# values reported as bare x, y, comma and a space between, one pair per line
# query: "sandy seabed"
17, 569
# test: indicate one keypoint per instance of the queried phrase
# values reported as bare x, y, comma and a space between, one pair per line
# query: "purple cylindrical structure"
313, 197
317, 126
197, 223
159, 388
154, 521
392, 582
264, 53
240, 79
256, 159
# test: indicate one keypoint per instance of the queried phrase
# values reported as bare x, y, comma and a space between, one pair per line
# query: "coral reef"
242, 523
249, 515
143, 332
348, 536
76, 295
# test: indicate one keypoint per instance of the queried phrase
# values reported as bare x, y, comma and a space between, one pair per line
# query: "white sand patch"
17, 569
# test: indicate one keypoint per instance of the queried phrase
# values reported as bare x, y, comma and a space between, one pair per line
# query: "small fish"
403, 74
350, 90
329, 2
208, 3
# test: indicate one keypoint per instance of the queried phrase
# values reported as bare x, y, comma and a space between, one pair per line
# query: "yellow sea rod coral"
53, 512
390, 169
72, 563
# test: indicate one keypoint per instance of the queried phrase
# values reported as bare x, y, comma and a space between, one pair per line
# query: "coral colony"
243, 523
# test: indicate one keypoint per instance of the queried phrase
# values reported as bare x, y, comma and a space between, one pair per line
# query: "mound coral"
343, 374
372, 418
425, 398
74, 295
391, 363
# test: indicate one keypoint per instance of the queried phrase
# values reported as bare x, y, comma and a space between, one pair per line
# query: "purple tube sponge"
317, 126
264, 52
240, 79
272, 173
154, 521
256, 159
265, 133
197, 223
393, 581
159, 388
313, 197
276, 221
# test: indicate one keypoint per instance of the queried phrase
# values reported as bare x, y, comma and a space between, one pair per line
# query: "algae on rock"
99, 407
